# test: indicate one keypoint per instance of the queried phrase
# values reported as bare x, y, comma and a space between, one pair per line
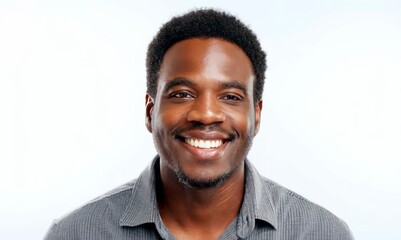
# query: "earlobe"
258, 113
149, 103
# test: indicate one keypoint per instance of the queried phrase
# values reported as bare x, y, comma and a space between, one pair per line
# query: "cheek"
167, 120
251, 123
243, 121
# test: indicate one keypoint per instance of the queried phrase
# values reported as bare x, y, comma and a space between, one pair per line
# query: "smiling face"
204, 117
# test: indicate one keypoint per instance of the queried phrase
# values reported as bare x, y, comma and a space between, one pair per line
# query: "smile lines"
199, 143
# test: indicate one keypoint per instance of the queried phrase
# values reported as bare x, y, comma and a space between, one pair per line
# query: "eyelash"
233, 97
175, 95
186, 95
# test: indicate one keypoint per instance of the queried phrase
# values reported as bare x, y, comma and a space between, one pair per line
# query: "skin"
205, 91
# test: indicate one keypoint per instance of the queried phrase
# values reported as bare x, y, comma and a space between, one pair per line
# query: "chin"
205, 178
212, 182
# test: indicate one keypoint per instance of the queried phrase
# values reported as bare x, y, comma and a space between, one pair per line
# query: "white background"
72, 85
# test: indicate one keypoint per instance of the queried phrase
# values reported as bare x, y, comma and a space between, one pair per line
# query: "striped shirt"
268, 211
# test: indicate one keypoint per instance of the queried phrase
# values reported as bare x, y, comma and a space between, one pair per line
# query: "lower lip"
206, 154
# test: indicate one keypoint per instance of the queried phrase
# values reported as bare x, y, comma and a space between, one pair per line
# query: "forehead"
206, 59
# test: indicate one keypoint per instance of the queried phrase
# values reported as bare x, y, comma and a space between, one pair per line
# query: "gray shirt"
269, 211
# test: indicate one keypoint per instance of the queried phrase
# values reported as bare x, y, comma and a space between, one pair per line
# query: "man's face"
204, 117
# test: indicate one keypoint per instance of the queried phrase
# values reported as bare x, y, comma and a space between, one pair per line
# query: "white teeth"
199, 143
213, 144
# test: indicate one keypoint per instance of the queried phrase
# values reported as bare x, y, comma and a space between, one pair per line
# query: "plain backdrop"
72, 87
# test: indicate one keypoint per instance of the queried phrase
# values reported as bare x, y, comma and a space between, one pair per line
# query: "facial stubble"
211, 182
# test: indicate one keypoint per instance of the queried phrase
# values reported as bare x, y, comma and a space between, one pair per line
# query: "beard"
201, 183
209, 182
205, 182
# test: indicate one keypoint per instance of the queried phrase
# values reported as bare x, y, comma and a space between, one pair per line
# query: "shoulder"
102, 213
301, 216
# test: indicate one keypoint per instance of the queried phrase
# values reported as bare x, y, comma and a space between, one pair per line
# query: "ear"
149, 103
258, 112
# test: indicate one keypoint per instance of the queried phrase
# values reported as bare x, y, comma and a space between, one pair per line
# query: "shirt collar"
142, 206
257, 204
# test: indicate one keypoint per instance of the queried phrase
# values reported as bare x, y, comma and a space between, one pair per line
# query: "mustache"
206, 128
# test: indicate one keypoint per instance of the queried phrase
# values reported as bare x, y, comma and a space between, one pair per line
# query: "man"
205, 77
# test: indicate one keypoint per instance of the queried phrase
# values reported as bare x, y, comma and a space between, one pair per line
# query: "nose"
206, 110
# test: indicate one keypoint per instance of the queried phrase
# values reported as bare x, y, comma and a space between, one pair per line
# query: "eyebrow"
178, 82
234, 84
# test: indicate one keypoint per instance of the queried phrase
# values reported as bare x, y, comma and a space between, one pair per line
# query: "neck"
198, 211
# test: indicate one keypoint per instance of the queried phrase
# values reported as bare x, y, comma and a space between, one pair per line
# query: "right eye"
181, 95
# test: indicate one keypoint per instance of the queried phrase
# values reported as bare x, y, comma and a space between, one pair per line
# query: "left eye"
231, 97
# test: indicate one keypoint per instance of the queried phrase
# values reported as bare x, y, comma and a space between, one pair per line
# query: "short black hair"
205, 23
